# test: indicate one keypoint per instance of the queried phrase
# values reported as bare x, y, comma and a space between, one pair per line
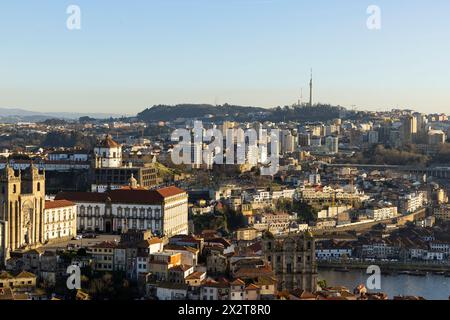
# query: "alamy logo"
199, 146
74, 20
374, 280
374, 20
74, 280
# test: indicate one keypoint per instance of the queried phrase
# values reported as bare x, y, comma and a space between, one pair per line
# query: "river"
431, 287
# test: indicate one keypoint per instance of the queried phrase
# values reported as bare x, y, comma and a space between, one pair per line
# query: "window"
38, 186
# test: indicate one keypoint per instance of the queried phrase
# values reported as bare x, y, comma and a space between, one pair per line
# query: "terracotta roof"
181, 267
58, 204
134, 196
252, 287
25, 274
108, 142
180, 248
215, 284
170, 191
237, 282
195, 275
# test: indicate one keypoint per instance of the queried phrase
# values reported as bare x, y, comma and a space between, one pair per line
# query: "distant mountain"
16, 115
240, 113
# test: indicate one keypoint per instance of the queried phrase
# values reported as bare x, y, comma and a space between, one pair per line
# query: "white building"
60, 220
436, 137
412, 202
108, 154
163, 211
382, 213
332, 144
333, 253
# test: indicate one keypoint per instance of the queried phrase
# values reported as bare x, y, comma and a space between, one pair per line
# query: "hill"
240, 113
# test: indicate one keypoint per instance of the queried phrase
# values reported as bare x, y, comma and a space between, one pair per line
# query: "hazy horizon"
131, 55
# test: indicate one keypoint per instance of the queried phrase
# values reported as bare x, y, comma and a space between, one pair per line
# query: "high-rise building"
409, 129
304, 139
332, 144
287, 142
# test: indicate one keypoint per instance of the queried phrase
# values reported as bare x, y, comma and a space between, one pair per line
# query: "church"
22, 205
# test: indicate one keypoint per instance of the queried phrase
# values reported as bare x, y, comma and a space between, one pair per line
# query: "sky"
129, 55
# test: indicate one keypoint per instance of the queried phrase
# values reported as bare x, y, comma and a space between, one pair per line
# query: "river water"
431, 287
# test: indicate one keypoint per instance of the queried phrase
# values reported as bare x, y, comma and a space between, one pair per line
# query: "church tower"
22, 203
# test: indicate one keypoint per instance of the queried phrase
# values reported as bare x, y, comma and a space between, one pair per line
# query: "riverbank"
385, 267
430, 286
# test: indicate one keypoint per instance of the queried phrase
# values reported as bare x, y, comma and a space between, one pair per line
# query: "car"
90, 236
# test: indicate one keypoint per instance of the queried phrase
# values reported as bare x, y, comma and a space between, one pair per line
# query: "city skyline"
130, 56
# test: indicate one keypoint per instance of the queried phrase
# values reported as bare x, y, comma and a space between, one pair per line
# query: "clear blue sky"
136, 53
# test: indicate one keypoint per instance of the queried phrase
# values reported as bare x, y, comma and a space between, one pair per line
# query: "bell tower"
10, 190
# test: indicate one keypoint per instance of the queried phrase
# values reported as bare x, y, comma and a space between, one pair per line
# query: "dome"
108, 142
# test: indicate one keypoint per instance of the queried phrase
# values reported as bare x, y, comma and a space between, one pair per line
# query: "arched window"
38, 186
14, 188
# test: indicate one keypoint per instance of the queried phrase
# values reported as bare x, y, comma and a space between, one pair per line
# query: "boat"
404, 272
341, 270
418, 273
439, 273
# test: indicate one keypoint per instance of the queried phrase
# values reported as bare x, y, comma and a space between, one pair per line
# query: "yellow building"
24, 280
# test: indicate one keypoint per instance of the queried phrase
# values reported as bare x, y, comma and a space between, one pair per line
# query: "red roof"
58, 204
108, 142
135, 196
170, 191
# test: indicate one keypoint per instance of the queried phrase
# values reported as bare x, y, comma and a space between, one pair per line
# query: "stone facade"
293, 261
22, 203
